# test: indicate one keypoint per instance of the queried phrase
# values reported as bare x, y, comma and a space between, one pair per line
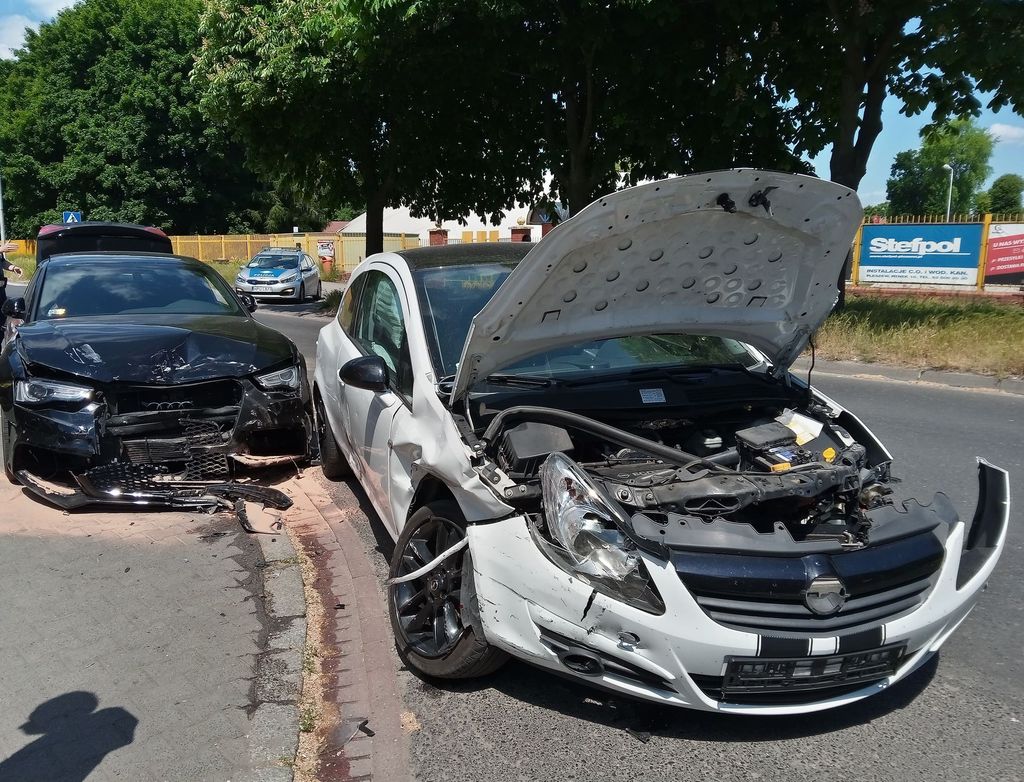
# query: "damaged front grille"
192, 450
791, 616
211, 395
769, 595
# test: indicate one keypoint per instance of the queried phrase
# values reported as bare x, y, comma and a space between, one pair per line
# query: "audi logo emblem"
165, 406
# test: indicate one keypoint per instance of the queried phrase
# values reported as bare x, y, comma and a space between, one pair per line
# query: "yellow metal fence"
346, 249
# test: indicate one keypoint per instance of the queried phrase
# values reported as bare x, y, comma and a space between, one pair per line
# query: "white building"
475, 227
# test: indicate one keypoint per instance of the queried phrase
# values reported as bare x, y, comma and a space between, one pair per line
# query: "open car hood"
750, 255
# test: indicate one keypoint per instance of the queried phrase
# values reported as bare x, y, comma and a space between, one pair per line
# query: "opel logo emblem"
825, 596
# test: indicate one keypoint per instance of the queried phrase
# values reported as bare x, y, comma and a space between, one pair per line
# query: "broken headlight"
280, 380
41, 392
587, 540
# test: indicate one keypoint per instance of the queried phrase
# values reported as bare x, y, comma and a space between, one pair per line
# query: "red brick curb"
360, 660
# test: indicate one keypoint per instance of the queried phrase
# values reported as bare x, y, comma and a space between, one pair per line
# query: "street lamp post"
949, 197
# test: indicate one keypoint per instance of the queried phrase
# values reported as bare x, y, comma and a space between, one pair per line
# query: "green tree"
877, 210
839, 61
364, 102
97, 113
616, 91
1004, 197
919, 181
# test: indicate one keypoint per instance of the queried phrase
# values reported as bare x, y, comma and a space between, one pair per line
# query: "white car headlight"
41, 392
288, 277
283, 378
589, 539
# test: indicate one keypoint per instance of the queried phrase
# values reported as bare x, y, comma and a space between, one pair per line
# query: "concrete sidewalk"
143, 646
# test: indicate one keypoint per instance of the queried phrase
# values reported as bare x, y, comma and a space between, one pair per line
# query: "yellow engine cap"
781, 467
829, 454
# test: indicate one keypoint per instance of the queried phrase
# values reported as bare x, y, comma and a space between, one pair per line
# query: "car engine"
743, 478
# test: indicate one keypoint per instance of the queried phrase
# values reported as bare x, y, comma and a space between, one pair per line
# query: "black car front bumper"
146, 445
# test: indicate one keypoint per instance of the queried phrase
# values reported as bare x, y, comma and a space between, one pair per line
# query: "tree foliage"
97, 113
919, 184
1004, 197
839, 61
365, 102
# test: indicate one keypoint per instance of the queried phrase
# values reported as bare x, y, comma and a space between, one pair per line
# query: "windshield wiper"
523, 381
664, 372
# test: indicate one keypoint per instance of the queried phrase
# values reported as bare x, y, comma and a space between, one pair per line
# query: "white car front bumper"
532, 608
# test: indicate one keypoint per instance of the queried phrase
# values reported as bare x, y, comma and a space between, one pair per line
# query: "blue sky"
899, 132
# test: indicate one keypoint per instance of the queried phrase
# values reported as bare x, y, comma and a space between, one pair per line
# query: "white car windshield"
450, 296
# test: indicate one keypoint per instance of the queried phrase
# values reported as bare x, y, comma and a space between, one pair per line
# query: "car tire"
319, 291
3, 451
302, 293
444, 600
332, 460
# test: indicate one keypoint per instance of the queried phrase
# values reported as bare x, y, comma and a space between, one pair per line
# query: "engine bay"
753, 476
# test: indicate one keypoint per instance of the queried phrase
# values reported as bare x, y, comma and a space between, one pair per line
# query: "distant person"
6, 266
73, 739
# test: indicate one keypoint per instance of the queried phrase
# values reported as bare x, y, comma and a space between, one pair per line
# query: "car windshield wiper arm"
525, 381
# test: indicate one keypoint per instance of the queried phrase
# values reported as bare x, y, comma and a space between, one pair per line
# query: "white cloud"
1008, 134
12, 33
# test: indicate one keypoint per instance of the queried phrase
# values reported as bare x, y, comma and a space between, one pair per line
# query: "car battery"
771, 447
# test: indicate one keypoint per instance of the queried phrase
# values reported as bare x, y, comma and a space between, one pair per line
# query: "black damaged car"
141, 378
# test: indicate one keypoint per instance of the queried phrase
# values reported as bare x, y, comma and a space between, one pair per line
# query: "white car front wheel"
430, 615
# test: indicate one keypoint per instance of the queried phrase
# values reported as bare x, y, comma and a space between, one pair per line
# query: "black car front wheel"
4, 445
332, 460
431, 615
302, 293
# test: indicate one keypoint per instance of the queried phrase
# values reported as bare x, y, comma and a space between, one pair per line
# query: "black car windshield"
269, 261
450, 297
132, 286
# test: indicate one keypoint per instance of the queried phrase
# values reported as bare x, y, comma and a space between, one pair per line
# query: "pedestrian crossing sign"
72, 217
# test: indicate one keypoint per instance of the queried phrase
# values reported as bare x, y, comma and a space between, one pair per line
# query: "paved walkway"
128, 648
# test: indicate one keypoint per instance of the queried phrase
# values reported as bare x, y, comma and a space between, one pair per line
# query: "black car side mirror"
248, 301
369, 372
14, 308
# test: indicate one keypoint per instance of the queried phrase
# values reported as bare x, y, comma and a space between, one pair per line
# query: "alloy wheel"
429, 608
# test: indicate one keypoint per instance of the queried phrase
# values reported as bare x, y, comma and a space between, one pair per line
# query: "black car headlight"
587, 539
282, 380
41, 392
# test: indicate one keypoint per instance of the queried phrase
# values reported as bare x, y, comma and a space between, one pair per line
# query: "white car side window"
380, 328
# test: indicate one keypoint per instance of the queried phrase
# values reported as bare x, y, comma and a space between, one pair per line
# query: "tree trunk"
374, 224
862, 90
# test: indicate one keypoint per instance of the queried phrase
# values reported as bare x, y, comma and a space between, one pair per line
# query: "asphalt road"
961, 718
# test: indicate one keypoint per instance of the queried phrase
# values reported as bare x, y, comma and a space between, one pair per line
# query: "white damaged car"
593, 456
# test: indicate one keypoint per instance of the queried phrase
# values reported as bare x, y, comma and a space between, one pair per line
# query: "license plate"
747, 675
261, 289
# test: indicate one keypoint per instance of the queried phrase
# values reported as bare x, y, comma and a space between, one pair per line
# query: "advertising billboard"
945, 254
1005, 261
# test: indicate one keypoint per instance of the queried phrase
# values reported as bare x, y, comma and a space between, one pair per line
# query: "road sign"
72, 217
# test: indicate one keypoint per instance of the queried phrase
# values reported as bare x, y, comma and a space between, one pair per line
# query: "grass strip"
954, 334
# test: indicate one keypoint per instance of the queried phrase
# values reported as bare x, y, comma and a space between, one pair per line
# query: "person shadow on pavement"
73, 739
